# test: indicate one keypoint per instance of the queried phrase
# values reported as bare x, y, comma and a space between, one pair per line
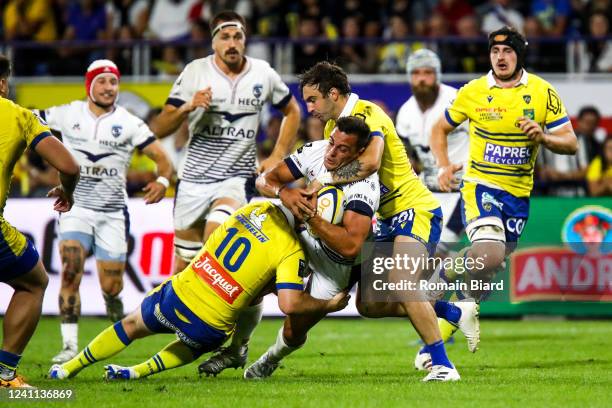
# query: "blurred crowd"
364, 36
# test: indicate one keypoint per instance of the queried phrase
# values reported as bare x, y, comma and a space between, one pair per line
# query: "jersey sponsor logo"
257, 90
94, 157
507, 155
491, 114
251, 102
254, 225
96, 171
489, 98
217, 278
116, 130
516, 225
488, 201
216, 130
112, 143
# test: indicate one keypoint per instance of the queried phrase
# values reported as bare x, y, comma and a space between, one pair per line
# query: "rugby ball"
330, 205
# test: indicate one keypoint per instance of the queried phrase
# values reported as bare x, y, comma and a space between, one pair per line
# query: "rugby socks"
8, 365
447, 311
106, 344
446, 329
280, 349
438, 354
173, 355
247, 321
70, 335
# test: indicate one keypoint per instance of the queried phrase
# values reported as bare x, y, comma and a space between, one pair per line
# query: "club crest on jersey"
529, 113
489, 98
257, 90
527, 98
116, 130
488, 201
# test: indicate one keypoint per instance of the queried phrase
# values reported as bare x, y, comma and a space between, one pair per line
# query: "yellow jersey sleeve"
556, 114
291, 270
34, 127
457, 112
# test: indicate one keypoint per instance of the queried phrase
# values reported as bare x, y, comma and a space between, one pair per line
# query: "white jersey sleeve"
183, 88
306, 160
280, 95
362, 196
142, 135
53, 116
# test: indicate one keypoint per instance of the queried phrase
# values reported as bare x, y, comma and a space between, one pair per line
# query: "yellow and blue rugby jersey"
400, 187
240, 257
501, 155
20, 128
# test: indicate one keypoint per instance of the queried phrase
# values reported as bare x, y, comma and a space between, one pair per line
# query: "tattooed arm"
367, 163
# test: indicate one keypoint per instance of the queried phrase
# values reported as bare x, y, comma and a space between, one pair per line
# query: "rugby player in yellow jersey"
512, 113
254, 246
408, 216
20, 264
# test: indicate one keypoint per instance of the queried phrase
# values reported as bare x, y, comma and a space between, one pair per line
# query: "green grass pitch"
354, 363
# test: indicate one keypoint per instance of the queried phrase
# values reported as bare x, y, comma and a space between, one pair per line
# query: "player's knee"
112, 287
220, 213
186, 250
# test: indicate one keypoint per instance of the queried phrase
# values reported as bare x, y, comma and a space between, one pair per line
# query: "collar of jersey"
350, 104
492, 84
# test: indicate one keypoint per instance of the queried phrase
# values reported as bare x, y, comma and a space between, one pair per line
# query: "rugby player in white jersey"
102, 137
331, 254
414, 123
222, 97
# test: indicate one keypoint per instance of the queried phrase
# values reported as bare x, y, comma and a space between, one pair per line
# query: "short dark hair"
324, 76
354, 125
5, 67
226, 15
589, 109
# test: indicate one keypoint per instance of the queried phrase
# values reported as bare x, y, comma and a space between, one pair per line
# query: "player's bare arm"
346, 238
171, 117
155, 190
273, 183
286, 139
560, 141
54, 152
298, 302
439, 148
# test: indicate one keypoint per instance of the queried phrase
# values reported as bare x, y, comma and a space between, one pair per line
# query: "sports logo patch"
527, 98
116, 130
488, 201
489, 98
257, 90
529, 113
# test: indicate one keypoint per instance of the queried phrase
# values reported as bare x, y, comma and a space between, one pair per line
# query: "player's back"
20, 127
255, 245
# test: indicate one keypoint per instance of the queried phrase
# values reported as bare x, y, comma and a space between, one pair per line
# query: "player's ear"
333, 94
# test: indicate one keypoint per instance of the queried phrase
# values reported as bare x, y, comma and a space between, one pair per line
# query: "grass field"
359, 363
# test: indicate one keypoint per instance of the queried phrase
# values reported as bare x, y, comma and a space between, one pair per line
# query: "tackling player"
252, 248
222, 97
20, 264
102, 136
330, 259
511, 114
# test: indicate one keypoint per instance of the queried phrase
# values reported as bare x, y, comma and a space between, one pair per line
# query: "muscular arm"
156, 152
562, 140
346, 238
366, 164
270, 182
288, 132
56, 154
439, 141
169, 120
297, 302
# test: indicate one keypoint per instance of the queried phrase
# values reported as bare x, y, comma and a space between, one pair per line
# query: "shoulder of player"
257, 63
371, 112
537, 81
447, 90
312, 148
474, 83
406, 107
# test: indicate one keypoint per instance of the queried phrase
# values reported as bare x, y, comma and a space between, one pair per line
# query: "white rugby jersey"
361, 196
415, 125
222, 138
103, 148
